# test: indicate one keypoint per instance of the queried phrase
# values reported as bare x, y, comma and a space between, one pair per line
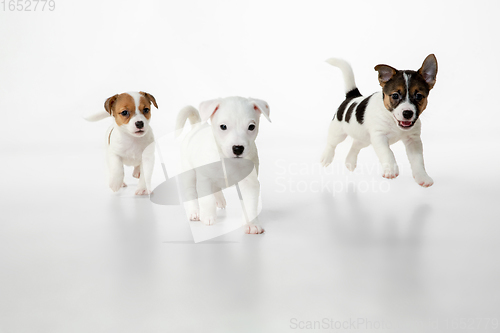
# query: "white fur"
347, 72
380, 129
236, 113
126, 147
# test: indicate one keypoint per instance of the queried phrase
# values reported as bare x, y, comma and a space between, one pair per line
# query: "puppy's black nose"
238, 150
139, 124
407, 114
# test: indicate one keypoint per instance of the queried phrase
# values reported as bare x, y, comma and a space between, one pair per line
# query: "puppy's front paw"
142, 191
254, 229
327, 157
350, 165
423, 180
116, 184
208, 220
390, 171
194, 215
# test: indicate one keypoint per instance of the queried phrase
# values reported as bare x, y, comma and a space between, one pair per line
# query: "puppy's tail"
186, 113
96, 116
350, 84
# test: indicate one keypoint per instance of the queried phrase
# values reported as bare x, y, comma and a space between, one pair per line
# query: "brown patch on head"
122, 107
150, 98
145, 107
108, 105
396, 85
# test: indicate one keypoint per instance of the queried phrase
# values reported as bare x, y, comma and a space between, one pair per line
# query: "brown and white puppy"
384, 118
129, 138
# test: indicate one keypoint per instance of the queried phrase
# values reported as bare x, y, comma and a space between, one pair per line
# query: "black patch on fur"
360, 111
349, 112
353, 94
418, 85
340, 111
348, 97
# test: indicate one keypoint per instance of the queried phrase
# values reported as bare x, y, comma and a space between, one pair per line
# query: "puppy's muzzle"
238, 150
139, 124
407, 123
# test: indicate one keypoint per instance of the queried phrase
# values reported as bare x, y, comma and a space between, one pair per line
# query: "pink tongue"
406, 123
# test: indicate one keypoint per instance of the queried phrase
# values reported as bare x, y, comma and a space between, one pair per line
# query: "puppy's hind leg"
137, 172
352, 158
335, 136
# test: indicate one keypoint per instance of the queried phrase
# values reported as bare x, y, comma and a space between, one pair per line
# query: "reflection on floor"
77, 258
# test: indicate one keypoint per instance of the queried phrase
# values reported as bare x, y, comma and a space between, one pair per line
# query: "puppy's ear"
108, 105
208, 108
150, 98
429, 70
261, 106
385, 73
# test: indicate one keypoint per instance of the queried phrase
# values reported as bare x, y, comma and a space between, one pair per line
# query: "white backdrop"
56, 65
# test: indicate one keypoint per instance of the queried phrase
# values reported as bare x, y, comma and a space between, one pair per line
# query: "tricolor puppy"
384, 118
128, 138
234, 125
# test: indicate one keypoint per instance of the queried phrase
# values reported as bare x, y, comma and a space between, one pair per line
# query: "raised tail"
96, 116
186, 113
350, 84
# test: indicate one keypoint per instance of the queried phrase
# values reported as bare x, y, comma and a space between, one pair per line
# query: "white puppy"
384, 118
128, 138
234, 126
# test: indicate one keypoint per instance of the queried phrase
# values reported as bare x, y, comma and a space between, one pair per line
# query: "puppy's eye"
146, 110
395, 96
419, 97
124, 113
251, 127
223, 127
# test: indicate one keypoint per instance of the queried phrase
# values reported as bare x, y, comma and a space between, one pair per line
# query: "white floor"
362, 250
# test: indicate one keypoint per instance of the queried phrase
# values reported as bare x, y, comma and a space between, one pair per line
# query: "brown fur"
419, 86
121, 102
124, 102
108, 105
143, 104
150, 98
